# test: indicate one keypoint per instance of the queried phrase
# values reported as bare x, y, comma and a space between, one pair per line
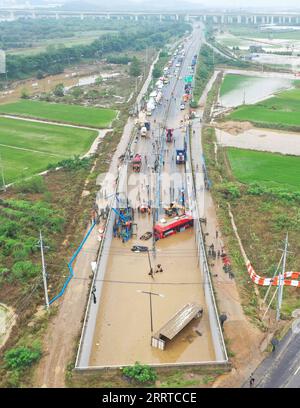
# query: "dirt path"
66, 325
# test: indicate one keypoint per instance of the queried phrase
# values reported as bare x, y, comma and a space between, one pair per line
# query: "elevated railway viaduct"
219, 17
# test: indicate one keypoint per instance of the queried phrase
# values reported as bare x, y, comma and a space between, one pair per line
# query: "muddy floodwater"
274, 141
70, 78
123, 330
253, 90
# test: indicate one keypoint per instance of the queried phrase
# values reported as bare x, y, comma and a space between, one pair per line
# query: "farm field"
250, 32
281, 111
268, 169
244, 89
27, 148
79, 38
270, 41
58, 112
232, 81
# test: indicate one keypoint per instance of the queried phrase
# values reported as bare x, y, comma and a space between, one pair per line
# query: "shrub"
24, 94
72, 164
33, 185
135, 67
140, 373
21, 357
9, 229
19, 253
23, 270
229, 190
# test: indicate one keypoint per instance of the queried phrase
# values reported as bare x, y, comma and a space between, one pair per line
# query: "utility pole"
150, 265
280, 279
150, 303
44, 271
2, 174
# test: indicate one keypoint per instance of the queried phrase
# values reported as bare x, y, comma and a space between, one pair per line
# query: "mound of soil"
233, 127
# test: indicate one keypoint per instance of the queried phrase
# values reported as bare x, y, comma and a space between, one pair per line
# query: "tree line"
55, 60
24, 33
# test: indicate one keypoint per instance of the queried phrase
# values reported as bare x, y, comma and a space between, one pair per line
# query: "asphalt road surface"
281, 369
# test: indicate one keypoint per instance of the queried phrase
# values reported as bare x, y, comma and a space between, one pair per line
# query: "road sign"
188, 78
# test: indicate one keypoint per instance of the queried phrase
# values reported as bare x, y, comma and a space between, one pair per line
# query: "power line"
21, 304
144, 282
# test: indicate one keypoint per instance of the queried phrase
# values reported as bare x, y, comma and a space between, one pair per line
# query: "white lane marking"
297, 370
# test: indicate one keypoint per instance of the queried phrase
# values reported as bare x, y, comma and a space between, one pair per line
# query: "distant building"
255, 49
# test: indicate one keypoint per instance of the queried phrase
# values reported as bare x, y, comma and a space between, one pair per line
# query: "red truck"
136, 163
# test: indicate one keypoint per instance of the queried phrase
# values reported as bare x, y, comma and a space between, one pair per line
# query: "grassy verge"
212, 97
204, 71
59, 112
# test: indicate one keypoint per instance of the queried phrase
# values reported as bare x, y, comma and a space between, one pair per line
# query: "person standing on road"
251, 381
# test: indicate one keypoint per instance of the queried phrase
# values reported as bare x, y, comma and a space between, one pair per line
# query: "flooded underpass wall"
216, 331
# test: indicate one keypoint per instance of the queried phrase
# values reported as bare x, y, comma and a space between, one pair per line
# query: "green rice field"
59, 112
233, 81
269, 169
26, 148
282, 110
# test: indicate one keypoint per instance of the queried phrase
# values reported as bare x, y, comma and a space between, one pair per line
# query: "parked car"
139, 248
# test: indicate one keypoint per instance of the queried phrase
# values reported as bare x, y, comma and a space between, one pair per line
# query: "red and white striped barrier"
274, 282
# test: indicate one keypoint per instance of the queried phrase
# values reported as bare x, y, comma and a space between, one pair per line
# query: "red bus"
172, 226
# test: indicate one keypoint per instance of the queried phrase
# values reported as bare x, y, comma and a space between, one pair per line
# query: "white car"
182, 106
177, 65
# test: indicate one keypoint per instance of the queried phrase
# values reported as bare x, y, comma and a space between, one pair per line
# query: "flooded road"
254, 89
275, 141
123, 329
